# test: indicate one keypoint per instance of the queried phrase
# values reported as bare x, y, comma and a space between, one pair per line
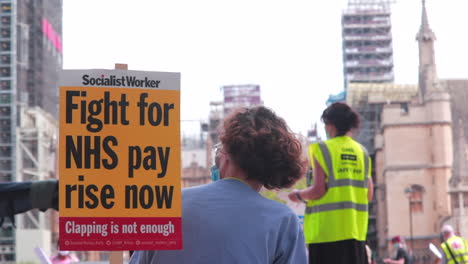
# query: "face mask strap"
214, 173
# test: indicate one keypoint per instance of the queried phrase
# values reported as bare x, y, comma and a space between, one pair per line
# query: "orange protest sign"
119, 160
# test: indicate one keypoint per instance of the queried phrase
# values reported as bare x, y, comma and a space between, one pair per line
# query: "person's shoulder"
317, 143
196, 189
280, 210
277, 205
315, 146
402, 252
204, 191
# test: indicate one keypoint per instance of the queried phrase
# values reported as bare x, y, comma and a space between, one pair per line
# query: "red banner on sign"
119, 233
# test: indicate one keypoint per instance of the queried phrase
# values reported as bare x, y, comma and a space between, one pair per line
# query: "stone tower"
427, 67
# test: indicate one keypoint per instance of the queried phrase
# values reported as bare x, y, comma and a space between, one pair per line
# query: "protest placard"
119, 162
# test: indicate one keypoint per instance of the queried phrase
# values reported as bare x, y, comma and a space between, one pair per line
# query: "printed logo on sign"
113, 80
348, 157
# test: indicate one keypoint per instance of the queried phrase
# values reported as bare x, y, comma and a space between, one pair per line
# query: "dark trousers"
340, 252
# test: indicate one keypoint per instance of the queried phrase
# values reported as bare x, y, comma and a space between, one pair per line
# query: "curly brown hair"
262, 145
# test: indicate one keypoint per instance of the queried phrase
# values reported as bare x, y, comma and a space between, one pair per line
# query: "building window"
404, 108
5, 177
455, 201
6, 21
5, 125
465, 199
5, 32
415, 196
5, 98
5, 7
5, 165
5, 137
5, 46
5, 152
5, 59
5, 71
5, 85
5, 111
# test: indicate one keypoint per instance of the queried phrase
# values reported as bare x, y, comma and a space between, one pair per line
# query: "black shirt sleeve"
402, 254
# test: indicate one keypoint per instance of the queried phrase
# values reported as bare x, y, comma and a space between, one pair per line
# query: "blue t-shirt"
228, 222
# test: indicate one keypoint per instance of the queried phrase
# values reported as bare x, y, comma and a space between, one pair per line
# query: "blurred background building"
367, 42
30, 61
416, 134
235, 96
197, 152
36, 160
195, 166
366, 30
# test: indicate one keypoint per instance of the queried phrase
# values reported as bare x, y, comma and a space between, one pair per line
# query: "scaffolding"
367, 42
234, 96
216, 115
245, 95
368, 100
370, 4
36, 161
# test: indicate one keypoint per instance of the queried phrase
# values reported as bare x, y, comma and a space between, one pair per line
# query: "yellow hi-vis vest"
342, 212
458, 248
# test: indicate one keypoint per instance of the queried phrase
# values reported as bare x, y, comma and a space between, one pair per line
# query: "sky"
292, 49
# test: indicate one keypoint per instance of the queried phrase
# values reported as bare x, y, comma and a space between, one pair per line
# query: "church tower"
414, 162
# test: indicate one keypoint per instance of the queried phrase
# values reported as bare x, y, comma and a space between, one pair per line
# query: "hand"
387, 260
292, 196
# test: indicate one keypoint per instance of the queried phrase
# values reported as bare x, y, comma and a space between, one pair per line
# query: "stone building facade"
421, 158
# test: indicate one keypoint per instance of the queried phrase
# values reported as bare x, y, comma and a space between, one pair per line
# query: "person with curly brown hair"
228, 221
336, 217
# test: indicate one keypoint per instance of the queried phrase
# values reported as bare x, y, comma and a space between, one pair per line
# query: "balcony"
384, 50
369, 63
5, 99
366, 16
352, 63
367, 12
368, 49
376, 24
387, 36
370, 77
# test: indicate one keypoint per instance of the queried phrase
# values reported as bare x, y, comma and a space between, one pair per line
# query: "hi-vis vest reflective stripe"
460, 252
342, 213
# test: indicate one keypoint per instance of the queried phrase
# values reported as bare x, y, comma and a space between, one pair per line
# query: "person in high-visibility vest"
335, 221
455, 250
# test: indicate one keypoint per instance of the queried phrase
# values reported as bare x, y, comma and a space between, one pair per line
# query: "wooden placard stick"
116, 257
